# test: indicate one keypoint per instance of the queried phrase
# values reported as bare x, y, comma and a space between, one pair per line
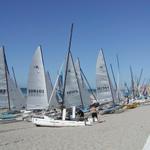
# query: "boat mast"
14, 77
69, 47
69, 52
115, 82
6, 71
42, 57
118, 82
138, 84
108, 78
132, 83
113, 76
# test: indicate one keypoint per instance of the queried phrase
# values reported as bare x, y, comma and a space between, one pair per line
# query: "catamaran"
71, 97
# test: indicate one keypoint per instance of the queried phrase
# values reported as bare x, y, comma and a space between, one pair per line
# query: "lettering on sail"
103, 89
72, 92
35, 92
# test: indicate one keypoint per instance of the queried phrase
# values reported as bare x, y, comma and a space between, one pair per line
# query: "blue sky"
118, 26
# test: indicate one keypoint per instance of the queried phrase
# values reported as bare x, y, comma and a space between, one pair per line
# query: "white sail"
83, 88
37, 96
55, 100
56, 97
49, 85
17, 100
7, 86
71, 94
103, 89
3, 84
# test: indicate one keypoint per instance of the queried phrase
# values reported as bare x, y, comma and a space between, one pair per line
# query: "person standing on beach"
94, 113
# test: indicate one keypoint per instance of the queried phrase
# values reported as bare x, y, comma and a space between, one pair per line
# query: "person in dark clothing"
94, 112
80, 114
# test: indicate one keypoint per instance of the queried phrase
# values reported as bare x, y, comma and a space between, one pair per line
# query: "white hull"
50, 122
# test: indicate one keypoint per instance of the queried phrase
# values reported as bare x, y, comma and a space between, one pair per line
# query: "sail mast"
69, 47
14, 77
69, 53
6, 71
41, 50
118, 82
113, 76
139, 80
108, 78
42, 57
117, 86
132, 83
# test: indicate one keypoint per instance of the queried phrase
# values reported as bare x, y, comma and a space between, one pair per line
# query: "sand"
125, 131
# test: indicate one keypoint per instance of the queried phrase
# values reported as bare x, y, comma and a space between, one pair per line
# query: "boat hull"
49, 122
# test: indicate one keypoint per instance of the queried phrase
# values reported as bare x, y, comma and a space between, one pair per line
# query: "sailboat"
71, 96
11, 96
72, 90
38, 88
103, 83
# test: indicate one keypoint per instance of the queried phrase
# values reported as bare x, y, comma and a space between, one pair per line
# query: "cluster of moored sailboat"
70, 93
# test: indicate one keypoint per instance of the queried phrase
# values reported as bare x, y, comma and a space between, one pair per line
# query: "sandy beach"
125, 131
